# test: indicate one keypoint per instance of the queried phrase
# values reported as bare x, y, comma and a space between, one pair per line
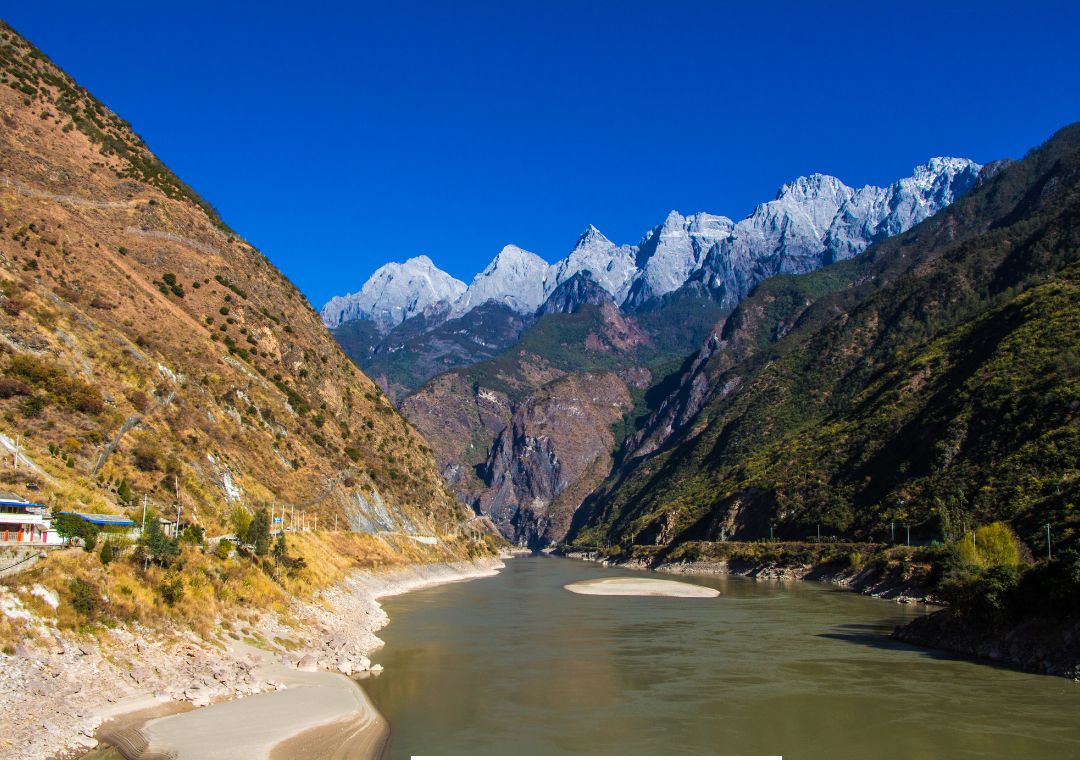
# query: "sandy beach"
639, 587
253, 726
151, 694
315, 712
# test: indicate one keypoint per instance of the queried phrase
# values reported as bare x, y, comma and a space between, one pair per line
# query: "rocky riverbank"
57, 690
1037, 646
868, 579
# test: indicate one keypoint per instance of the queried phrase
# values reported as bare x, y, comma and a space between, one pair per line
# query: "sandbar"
639, 587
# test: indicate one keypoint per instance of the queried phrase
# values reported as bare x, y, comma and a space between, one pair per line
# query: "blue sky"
339, 136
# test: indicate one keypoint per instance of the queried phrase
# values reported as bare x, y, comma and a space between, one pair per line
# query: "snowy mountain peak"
610, 266
591, 237
813, 221
673, 221
813, 188
944, 176
395, 292
515, 277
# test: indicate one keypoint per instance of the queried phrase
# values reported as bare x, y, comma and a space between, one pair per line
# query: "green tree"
223, 549
281, 549
106, 555
84, 597
192, 534
240, 519
123, 492
258, 534
159, 548
72, 526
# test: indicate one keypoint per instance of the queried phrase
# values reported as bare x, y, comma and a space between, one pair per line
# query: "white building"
22, 522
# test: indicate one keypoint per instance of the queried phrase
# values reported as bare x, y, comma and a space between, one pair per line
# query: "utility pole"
819, 533
146, 556
770, 531
15, 462
909, 535
892, 532
1049, 550
176, 531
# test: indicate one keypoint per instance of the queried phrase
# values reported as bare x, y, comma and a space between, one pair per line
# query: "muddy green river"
515, 664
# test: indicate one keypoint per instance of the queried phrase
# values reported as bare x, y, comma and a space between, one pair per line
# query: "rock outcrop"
555, 450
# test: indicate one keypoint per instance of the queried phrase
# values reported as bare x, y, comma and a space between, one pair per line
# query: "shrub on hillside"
56, 384
10, 386
85, 599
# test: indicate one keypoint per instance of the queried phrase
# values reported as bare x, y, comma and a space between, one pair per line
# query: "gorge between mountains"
534, 380
235, 526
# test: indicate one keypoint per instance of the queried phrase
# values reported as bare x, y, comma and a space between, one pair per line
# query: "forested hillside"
934, 380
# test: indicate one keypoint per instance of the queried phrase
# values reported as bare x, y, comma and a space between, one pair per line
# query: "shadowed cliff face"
555, 450
525, 437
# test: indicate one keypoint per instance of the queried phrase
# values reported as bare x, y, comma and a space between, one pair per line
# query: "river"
515, 664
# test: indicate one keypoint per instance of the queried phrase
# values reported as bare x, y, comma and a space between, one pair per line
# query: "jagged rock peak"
592, 237
571, 294
395, 292
515, 277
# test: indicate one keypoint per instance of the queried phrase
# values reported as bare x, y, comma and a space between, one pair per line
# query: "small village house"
23, 522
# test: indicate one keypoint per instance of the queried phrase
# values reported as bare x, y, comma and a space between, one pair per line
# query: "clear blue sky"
339, 136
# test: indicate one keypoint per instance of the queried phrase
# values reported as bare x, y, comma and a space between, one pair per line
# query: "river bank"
765, 668
1033, 646
58, 689
890, 577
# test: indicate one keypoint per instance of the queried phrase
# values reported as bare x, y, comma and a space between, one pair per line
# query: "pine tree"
258, 534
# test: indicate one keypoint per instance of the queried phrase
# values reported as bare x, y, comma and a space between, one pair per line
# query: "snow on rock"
229, 486
812, 221
515, 277
394, 293
610, 266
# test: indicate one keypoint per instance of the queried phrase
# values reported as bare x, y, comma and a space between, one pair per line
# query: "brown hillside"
142, 340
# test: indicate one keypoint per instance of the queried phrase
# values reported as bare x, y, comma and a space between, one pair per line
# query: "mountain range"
527, 381
812, 221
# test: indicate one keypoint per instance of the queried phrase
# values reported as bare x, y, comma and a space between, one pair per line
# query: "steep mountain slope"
525, 436
931, 380
144, 347
429, 343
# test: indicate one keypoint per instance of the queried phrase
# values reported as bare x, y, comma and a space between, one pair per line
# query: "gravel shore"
58, 689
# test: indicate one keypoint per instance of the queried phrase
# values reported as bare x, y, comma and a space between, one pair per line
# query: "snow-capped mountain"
817, 220
611, 266
515, 277
812, 221
670, 253
394, 293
